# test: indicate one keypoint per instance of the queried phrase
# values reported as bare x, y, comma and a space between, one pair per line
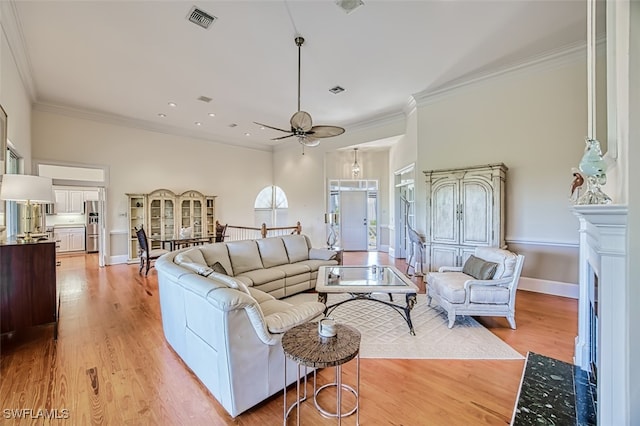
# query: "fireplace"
603, 314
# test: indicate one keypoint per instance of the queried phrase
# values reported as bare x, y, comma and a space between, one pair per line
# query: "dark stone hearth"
554, 392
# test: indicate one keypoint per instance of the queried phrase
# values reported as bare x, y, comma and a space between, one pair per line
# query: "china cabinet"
465, 209
163, 212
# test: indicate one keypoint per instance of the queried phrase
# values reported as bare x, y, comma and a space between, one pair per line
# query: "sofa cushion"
449, 285
322, 254
479, 269
272, 252
297, 248
293, 269
505, 259
315, 264
193, 255
489, 294
217, 252
219, 268
261, 276
244, 256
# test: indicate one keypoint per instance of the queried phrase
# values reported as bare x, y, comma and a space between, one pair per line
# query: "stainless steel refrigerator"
93, 219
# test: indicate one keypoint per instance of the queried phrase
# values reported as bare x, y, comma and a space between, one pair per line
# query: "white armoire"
465, 209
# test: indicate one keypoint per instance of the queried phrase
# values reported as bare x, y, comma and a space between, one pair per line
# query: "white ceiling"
128, 59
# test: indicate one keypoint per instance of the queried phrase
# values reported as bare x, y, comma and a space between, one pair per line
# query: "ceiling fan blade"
325, 131
271, 127
301, 120
282, 137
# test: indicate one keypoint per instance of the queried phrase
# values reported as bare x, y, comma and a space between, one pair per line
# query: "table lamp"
29, 190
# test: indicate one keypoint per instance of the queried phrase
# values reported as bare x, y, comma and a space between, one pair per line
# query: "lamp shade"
26, 188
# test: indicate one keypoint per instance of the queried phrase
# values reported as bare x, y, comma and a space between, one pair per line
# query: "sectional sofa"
222, 313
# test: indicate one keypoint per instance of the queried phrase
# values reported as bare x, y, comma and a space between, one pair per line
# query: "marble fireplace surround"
603, 252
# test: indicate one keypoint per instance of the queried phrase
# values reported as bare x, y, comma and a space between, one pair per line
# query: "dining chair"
221, 230
146, 254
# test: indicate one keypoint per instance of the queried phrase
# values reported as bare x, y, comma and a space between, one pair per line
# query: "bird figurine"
577, 182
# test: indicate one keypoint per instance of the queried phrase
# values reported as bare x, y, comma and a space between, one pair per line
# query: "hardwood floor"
112, 366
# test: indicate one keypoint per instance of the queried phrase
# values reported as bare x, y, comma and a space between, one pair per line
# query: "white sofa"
227, 328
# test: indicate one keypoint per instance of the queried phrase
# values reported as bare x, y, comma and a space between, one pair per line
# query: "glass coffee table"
361, 282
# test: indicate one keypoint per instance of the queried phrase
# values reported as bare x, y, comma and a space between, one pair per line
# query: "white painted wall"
16, 102
141, 161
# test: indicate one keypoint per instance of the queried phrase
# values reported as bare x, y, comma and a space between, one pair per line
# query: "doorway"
355, 204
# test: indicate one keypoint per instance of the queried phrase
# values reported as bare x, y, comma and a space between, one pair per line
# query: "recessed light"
262, 127
197, 123
162, 115
172, 104
211, 114
247, 134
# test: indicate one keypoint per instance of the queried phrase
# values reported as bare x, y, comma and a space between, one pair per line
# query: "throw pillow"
217, 267
479, 269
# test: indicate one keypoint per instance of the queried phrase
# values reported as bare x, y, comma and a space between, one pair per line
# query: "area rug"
385, 333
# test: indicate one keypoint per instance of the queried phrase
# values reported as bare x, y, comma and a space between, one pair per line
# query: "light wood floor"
112, 366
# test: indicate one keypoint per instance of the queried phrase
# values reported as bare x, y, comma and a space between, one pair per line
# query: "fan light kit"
301, 124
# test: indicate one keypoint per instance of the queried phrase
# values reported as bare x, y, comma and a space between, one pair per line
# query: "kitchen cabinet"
465, 209
70, 238
90, 195
69, 201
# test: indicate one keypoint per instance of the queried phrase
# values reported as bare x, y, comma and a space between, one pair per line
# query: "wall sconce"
355, 168
29, 190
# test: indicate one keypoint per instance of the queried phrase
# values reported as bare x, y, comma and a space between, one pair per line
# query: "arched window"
271, 207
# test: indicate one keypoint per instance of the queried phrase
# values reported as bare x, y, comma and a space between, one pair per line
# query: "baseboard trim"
392, 252
555, 288
384, 248
117, 260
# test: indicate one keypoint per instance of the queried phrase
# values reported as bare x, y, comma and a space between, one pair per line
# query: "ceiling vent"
337, 89
205, 99
349, 5
201, 18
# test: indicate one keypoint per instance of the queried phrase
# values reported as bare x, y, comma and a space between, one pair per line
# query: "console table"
28, 289
305, 346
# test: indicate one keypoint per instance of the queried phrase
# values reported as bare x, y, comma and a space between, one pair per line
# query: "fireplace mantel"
603, 253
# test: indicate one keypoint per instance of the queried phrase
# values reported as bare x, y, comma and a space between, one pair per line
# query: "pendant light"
355, 168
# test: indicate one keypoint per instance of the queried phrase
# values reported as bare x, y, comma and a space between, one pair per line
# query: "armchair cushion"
479, 269
505, 259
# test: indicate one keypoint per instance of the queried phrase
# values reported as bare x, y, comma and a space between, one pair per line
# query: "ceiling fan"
301, 124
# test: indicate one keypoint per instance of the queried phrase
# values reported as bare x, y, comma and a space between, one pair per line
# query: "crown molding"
378, 120
548, 60
118, 120
12, 29
410, 106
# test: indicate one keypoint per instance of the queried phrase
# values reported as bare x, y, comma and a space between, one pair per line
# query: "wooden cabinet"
28, 290
465, 209
90, 195
163, 213
69, 201
70, 238
193, 212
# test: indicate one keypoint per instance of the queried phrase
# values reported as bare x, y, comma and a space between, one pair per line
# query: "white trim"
555, 288
118, 232
392, 252
543, 243
548, 60
118, 120
385, 248
118, 260
12, 29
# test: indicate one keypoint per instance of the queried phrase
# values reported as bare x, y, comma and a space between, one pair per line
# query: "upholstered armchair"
486, 285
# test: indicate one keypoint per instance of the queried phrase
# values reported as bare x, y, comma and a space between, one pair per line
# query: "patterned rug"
385, 333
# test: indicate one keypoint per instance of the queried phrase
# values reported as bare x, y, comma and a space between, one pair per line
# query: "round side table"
306, 347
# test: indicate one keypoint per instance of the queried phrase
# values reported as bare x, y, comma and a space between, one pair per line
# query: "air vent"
205, 99
233, 125
201, 18
337, 89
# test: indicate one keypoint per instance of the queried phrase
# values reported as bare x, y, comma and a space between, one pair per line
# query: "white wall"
535, 123
141, 161
16, 102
